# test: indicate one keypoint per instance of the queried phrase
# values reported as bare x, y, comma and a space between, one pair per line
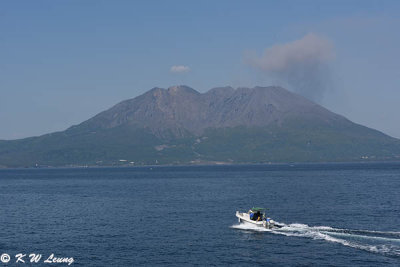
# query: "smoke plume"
303, 65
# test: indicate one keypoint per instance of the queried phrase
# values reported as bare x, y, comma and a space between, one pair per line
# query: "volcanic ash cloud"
303, 65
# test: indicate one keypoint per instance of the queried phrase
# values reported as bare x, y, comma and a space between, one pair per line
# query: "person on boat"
258, 216
252, 216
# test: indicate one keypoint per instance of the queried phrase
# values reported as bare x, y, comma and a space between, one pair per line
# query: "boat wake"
386, 243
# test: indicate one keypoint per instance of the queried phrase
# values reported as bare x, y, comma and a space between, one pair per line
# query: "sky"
62, 62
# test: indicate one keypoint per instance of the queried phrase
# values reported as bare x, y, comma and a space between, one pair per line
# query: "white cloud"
179, 69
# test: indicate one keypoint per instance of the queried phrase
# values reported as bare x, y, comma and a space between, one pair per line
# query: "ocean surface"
334, 215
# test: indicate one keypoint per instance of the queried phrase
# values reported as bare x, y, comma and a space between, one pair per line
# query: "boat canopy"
258, 209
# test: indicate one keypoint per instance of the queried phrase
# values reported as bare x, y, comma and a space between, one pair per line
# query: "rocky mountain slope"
180, 110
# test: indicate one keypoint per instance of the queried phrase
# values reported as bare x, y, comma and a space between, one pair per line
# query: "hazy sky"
62, 62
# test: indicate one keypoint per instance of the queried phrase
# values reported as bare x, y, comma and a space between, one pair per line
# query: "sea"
345, 214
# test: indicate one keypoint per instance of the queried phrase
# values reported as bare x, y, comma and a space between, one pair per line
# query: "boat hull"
245, 217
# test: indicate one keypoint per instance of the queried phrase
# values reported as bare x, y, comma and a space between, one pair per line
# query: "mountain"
179, 125
182, 111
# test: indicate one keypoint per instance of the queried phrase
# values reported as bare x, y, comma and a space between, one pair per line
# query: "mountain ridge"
183, 107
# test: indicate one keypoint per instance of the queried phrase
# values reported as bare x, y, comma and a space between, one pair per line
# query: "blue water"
334, 214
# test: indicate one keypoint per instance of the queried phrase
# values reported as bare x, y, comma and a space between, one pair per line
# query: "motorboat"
257, 217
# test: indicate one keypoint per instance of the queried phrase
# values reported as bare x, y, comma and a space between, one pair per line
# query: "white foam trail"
397, 240
345, 237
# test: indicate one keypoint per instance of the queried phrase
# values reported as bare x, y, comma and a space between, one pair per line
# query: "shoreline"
216, 165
